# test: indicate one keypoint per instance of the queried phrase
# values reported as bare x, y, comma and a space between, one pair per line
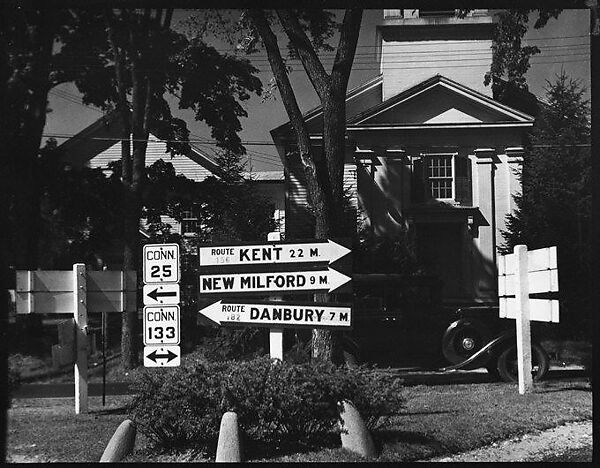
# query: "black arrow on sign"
155, 294
169, 356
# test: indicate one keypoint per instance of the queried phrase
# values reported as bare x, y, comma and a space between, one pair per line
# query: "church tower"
418, 44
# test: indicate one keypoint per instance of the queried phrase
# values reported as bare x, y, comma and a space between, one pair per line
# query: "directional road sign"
166, 293
162, 356
161, 263
314, 251
323, 280
279, 314
161, 325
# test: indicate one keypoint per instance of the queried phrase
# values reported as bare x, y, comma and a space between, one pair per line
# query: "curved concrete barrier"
121, 443
355, 435
228, 446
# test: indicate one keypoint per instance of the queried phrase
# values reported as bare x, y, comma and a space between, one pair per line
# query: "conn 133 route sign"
279, 314
304, 252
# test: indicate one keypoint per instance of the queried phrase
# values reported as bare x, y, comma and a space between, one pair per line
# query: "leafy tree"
308, 32
555, 205
130, 59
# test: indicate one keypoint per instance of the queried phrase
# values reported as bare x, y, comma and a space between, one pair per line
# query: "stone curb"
121, 443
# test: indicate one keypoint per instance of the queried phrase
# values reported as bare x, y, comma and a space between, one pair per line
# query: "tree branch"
347, 45
313, 66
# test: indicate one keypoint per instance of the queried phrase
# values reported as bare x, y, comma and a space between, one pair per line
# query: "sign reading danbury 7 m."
279, 314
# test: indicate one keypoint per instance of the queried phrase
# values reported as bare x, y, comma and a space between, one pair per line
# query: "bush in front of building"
279, 405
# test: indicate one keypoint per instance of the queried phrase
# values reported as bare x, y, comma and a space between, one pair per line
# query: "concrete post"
354, 435
228, 445
121, 443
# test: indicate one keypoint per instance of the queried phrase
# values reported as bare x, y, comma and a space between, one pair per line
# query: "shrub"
278, 404
14, 381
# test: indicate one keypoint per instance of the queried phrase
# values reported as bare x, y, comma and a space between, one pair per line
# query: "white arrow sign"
278, 313
326, 251
328, 280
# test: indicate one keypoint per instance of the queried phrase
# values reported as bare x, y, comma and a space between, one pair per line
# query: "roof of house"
103, 134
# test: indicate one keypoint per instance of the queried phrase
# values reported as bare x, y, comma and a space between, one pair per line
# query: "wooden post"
275, 334
522, 320
81, 341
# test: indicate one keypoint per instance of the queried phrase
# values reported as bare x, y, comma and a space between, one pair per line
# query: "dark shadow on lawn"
414, 413
254, 450
103, 412
581, 388
389, 437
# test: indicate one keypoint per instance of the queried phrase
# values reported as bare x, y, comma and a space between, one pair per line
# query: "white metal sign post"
76, 292
161, 316
520, 275
522, 322
275, 333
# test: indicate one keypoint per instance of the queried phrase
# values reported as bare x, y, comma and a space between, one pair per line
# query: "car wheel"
464, 338
507, 363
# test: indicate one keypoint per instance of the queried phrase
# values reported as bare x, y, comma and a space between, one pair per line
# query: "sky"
564, 44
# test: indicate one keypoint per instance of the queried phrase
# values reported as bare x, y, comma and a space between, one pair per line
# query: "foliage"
385, 254
278, 404
555, 205
510, 59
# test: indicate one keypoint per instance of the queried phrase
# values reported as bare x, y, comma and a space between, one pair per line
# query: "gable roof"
439, 101
364, 95
102, 134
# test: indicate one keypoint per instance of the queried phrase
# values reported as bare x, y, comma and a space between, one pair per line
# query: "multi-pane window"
189, 223
440, 175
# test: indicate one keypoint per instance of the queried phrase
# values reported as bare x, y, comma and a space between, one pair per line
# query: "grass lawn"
437, 420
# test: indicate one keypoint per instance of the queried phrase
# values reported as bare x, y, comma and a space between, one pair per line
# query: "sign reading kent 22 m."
290, 268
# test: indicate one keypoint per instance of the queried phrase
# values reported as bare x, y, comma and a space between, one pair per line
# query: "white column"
514, 167
486, 240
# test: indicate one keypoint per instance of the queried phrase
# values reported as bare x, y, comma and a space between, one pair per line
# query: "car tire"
507, 363
464, 338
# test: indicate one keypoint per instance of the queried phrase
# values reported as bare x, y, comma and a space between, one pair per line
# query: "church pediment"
438, 101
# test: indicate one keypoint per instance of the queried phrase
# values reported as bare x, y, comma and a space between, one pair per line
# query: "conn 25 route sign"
324, 280
161, 263
314, 251
161, 325
280, 314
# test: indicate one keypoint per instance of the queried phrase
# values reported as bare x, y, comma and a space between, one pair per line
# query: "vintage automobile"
402, 321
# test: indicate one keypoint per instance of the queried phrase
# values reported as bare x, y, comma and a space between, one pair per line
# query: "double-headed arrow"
169, 356
302, 252
324, 280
